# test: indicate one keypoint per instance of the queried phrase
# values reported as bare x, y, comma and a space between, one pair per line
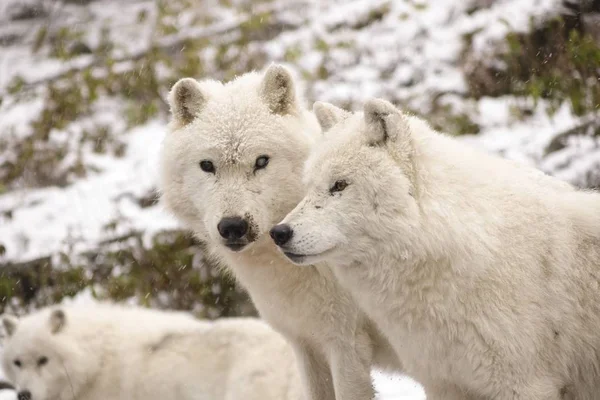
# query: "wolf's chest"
419, 318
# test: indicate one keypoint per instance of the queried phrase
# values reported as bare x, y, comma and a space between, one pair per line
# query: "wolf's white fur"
232, 125
99, 352
483, 274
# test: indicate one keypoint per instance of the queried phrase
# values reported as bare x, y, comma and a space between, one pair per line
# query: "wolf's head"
362, 175
232, 161
40, 360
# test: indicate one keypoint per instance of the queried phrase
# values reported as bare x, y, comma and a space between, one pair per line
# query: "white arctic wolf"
485, 278
105, 352
231, 169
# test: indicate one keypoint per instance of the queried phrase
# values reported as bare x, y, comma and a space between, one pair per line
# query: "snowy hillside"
82, 115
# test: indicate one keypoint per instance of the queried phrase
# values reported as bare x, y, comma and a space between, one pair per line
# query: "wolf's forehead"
22, 347
26, 338
233, 120
238, 145
322, 169
238, 133
234, 110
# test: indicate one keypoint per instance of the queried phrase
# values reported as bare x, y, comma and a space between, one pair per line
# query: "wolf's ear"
10, 323
58, 320
278, 90
385, 122
328, 115
186, 99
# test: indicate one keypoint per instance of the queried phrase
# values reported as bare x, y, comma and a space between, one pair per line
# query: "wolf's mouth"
296, 258
235, 246
306, 259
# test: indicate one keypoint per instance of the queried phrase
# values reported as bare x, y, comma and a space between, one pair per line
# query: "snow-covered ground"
407, 51
418, 42
8, 395
391, 387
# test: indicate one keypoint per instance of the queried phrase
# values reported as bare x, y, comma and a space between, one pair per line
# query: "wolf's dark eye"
17, 363
207, 166
42, 361
261, 162
338, 186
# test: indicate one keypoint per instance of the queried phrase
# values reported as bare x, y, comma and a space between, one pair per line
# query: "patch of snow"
510, 16
396, 387
48, 217
17, 117
8, 395
520, 140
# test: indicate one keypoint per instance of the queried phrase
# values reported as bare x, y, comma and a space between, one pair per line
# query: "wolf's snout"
281, 234
24, 395
232, 228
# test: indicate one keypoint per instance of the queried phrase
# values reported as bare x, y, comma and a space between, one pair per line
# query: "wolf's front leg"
315, 373
351, 370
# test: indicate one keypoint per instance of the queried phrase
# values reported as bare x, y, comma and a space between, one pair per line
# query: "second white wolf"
483, 274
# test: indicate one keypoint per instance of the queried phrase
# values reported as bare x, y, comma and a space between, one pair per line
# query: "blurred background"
82, 115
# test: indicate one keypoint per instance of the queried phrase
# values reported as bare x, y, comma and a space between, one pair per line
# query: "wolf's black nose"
281, 234
232, 228
24, 395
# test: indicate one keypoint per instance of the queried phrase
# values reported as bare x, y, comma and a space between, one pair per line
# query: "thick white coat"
232, 125
99, 352
484, 274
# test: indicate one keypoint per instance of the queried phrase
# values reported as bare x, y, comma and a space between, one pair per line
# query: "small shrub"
555, 62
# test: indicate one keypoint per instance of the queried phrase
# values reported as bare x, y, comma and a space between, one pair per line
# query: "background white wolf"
99, 352
231, 169
484, 278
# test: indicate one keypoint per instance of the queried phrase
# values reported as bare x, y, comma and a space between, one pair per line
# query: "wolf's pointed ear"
58, 320
186, 99
384, 122
10, 323
278, 90
328, 115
